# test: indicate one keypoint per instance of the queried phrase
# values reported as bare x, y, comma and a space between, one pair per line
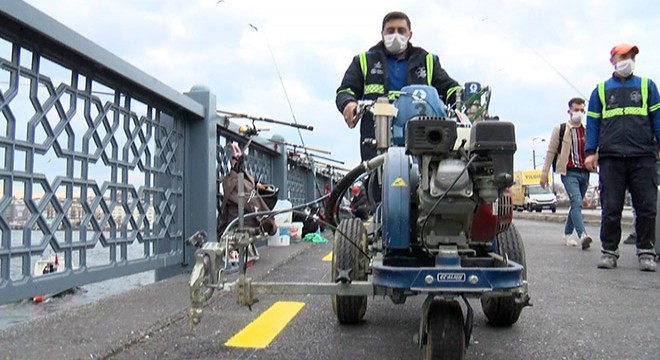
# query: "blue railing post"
199, 203
280, 168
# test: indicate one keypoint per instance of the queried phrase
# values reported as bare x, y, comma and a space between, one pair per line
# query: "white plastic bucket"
279, 240
295, 230
283, 218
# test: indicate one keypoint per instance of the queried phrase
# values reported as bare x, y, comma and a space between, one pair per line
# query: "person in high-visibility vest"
623, 123
386, 68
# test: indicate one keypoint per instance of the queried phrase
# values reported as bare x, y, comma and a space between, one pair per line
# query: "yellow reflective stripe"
593, 114
452, 90
369, 88
645, 92
601, 94
655, 107
635, 111
625, 111
429, 68
363, 64
346, 91
393, 94
374, 89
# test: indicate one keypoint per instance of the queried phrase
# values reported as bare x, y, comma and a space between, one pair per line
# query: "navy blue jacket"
623, 130
352, 86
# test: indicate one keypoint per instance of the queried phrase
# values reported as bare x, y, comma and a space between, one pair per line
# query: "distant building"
20, 211
17, 213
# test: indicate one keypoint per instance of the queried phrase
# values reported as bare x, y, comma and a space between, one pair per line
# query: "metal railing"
105, 167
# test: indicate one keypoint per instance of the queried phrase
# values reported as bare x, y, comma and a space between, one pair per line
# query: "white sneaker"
569, 241
585, 241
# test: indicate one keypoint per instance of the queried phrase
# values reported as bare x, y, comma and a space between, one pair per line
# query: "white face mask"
577, 117
625, 67
395, 43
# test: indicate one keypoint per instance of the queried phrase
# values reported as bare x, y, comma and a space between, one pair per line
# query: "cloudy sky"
534, 54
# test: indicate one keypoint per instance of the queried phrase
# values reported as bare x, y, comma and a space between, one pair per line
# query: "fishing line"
293, 115
540, 56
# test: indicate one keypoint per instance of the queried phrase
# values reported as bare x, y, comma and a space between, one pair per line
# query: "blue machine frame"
476, 275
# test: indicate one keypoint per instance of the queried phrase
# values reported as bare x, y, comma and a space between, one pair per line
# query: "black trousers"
638, 175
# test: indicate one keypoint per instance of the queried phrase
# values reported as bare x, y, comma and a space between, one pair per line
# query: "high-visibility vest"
625, 110
624, 120
379, 89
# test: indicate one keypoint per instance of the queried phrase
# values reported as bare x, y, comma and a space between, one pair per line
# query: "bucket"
283, 218
295, 230
279, 240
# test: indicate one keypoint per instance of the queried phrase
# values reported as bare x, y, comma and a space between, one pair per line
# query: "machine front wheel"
505, 311
445, 337
350, 238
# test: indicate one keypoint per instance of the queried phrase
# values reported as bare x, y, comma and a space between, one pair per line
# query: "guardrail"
105, 167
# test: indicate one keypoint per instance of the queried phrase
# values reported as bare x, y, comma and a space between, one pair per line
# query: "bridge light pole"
534, 150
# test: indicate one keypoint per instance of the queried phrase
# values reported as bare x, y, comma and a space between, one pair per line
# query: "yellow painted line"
261, 332
327, 257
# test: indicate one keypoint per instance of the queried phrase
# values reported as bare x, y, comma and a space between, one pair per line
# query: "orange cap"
624, 49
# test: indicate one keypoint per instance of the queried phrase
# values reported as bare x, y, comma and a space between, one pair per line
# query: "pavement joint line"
140, 336
181, 314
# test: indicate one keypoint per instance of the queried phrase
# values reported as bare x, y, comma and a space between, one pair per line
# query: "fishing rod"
308, 157
296, 146
333, 166
327, 158
264, 119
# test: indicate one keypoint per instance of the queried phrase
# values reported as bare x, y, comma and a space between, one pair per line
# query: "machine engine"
463, 170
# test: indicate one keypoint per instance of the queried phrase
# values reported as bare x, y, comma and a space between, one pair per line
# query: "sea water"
24, 311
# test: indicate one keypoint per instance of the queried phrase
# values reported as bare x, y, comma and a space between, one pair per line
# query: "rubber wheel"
345, 255
554, 210
445, 337
539, 210
503, 311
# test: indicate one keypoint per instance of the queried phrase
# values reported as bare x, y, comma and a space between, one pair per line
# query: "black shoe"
631, 239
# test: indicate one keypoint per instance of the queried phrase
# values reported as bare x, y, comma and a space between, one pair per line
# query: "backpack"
562, 130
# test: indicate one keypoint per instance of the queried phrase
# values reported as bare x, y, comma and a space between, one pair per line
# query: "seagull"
254, 27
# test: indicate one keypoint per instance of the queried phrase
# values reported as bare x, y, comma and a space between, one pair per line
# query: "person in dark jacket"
360, 206
383, 70
623, 123
230, 199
